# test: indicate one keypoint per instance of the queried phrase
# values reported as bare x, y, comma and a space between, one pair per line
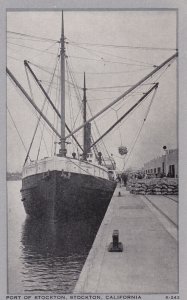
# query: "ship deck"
149, 262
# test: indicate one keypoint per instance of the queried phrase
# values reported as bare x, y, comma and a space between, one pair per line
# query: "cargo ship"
63, 187
77, 186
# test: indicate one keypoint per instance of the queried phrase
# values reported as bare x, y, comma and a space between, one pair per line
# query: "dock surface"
149, 262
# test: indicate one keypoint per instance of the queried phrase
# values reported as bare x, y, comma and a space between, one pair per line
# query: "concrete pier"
149, 261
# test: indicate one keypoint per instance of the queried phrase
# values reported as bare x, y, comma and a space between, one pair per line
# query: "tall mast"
84, 99
62, 56
87, 127
84, 118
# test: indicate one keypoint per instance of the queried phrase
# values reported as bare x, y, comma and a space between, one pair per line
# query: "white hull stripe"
64, 164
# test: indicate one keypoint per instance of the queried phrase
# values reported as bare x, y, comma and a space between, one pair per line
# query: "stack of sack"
153, 186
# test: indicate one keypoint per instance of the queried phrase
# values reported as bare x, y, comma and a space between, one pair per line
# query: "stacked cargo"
153, 186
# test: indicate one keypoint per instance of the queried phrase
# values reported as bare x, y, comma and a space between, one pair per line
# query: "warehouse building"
165, 165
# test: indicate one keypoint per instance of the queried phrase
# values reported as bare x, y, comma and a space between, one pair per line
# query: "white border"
182, 77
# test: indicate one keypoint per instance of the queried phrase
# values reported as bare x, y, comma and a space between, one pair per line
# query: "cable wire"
110, 54
38, 125
128, 47
32, 36
139, 131
32, 96
35, 49
17, 130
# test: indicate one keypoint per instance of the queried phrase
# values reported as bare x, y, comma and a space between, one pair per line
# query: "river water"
44, 257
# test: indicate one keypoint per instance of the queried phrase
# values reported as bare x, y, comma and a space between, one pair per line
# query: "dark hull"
58, 196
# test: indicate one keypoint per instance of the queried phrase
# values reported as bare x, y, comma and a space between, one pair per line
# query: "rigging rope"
72, 119
42, 137
139, 131
126, 113
78, 96
119, 128
119, 105
106, 61
156, 79
134, 94
17, 131
70, 101
57, 76
113, 87
77, 88
55, 118
125, 120
35, 49
110, 54
113, 72
31, 36
17, 59
128, 47
32, 96
47, 69
101, 139
48, 91
33, 111
103, 89
39, 122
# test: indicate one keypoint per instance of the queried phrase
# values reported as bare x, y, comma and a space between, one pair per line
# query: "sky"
115, 49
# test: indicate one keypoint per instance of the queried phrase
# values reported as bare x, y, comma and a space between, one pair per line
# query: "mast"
84, 118
62, 59
87, 127
84, 99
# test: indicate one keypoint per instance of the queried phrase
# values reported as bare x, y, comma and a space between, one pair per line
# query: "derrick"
126, 93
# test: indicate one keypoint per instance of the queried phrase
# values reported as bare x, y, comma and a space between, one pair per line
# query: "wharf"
149, 261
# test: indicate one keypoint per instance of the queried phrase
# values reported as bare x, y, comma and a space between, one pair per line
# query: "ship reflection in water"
53, 254
44, 257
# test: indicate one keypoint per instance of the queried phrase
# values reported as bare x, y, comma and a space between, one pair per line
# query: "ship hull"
66, 196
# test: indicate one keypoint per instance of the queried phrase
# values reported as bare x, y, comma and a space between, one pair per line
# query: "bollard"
115, 245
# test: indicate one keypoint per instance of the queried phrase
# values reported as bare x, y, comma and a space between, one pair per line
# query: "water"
44, 257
